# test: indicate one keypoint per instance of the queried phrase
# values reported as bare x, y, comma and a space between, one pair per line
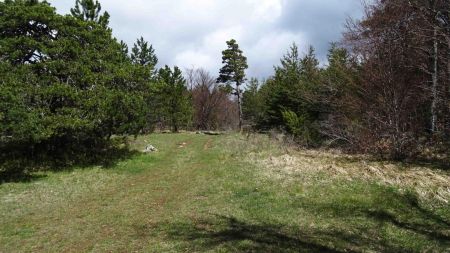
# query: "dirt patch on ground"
182, 144
207, 145
428, 183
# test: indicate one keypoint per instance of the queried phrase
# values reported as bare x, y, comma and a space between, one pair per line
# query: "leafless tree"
213, 107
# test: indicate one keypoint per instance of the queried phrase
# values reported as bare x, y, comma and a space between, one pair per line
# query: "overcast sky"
192, 33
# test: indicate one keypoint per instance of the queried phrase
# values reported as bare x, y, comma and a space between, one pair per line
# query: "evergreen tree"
338, 97
233, 71
310, 71
290, 69
124, 48
143, 57
282, 89
291, 97
64, 83
251, 102
144, 54
176, 97
88, 10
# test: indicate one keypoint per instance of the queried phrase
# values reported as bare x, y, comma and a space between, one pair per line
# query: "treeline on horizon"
67, 86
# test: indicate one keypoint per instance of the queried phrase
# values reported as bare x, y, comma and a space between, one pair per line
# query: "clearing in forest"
229, 193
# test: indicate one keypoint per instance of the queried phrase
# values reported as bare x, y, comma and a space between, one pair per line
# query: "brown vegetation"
213, 107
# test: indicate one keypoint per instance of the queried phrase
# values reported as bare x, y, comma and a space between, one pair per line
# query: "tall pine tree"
233, 71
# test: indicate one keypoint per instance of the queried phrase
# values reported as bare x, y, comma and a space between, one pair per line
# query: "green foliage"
339, 95
290, 97
299, 126
233, 71
251, 102
143, 54
144, 59
235, 64
69, 82
342, 73
290, 70
124, 48
176, 98
18, 122
88, 10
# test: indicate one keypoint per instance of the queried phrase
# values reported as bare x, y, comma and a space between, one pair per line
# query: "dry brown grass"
288, 163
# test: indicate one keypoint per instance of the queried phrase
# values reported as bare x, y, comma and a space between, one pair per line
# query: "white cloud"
266, 52
193, 32
267, 10
194, 59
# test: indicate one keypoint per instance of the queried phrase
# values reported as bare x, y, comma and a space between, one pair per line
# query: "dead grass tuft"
303, 165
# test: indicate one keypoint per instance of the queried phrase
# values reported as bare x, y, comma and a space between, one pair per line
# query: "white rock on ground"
150, 149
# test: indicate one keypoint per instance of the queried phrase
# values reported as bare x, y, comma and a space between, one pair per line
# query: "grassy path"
200, 193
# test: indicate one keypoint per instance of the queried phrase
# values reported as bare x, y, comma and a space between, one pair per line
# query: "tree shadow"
401, 210
230, 234
20, 177
427, 230
419, 220
355, 227
238, 236
25, 165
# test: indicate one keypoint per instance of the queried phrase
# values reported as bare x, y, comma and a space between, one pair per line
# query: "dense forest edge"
72, 95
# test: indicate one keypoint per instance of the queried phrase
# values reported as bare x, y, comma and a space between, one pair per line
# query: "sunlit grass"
213, 194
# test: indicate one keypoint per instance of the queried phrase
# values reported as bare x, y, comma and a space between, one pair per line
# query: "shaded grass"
205, 197
23, 164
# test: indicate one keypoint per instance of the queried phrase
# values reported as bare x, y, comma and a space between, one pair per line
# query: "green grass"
207, 196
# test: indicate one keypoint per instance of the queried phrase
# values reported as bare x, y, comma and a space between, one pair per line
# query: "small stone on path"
150, 149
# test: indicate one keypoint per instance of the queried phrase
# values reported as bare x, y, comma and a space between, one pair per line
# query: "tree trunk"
238, 93
448, 64
434, 88
174, 126
446, 94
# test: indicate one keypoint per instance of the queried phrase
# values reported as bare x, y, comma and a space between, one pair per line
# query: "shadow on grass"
353, 227
20, 166
229, 234
389, 208
415, 218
